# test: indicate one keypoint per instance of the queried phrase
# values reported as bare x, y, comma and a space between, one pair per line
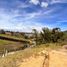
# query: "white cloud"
8, 21
44, 4
23, 5
62, 21
35, 2
5, 19
46, 14
58, 1
33, 15
28, 26
55, 1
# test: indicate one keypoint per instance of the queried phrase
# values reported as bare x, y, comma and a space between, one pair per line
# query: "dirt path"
56, 59
33, 62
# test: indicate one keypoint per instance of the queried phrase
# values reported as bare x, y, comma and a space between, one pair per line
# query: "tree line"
47, 35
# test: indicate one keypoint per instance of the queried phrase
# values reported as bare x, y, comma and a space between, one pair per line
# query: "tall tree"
46, 35
56, 34
2, 31
35, 35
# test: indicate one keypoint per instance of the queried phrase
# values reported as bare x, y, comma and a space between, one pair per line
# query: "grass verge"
15, 59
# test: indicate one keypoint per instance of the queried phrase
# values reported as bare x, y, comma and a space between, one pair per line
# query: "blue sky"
24, 15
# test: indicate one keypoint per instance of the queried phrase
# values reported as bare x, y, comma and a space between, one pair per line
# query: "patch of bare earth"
55, 59
58, 59
33, 62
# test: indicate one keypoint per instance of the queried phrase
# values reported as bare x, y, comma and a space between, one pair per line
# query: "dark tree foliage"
56, 34
46, 35
35, 35
49, 35
2, 31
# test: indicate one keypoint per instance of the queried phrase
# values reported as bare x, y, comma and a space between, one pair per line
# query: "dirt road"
56, 59
33, 62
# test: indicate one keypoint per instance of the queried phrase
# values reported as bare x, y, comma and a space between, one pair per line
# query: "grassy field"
14, 37
10, 45
15, 59
9, 36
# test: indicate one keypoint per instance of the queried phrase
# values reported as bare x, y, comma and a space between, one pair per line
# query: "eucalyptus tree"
35, 35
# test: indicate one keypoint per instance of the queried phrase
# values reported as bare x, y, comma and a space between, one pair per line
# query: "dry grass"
10, 45
13, 60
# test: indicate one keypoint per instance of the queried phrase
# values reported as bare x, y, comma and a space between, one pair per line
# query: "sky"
25, 15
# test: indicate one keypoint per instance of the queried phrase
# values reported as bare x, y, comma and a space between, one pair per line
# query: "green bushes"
47, 35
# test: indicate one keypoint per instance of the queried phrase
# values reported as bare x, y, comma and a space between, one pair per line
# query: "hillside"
13, 38
12, 42
35, 56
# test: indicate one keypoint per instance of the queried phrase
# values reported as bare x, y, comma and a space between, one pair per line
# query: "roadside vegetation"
20, 56
14, 37
47, 35
10, 46
47, 39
